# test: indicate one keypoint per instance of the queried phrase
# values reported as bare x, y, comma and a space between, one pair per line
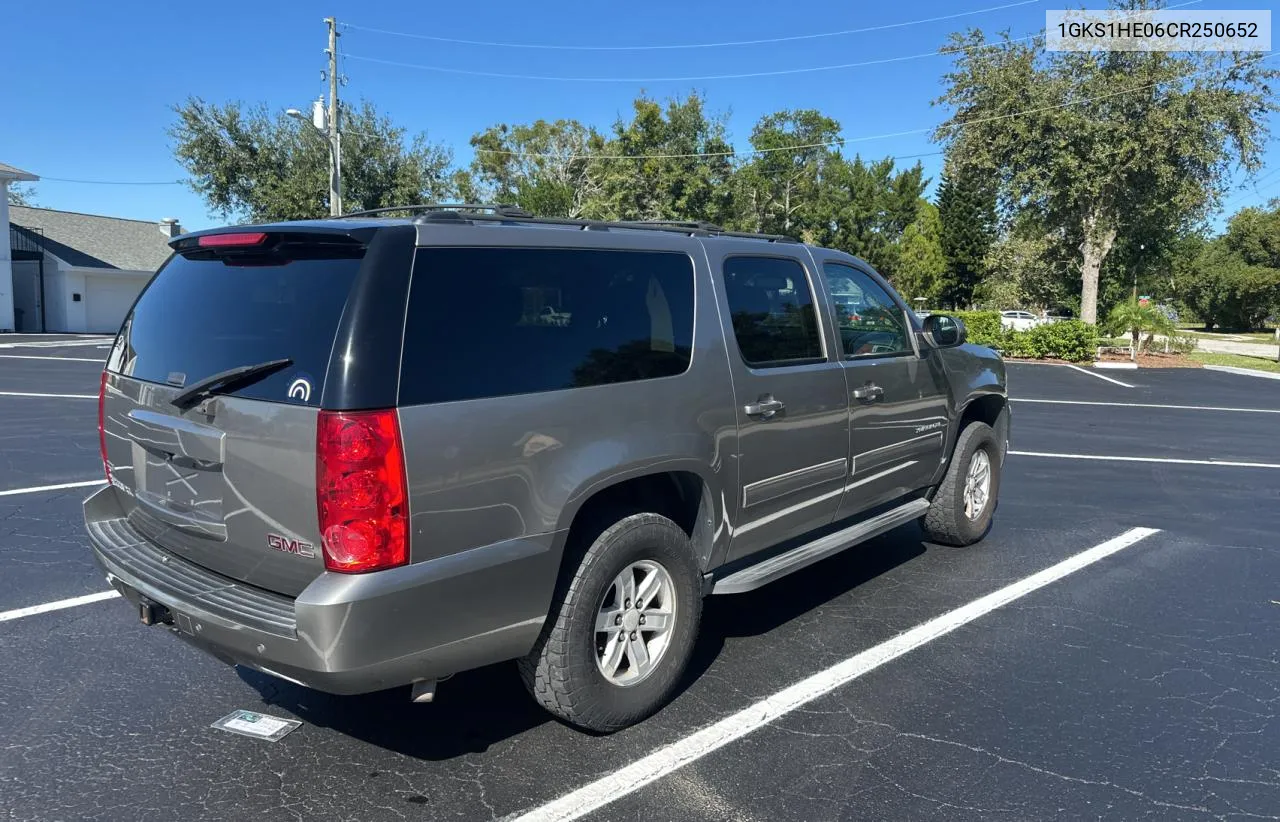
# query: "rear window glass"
489, 322
200, 317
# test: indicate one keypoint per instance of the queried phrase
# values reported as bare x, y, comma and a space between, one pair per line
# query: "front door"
792, 406
898, 394
26, 296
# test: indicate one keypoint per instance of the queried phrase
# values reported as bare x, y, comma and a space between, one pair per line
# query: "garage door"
108, 299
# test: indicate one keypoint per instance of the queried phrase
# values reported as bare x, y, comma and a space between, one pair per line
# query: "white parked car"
1018, 320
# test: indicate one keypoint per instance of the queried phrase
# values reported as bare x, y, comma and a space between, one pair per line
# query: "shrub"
1069, 340
1182, 343
983, 327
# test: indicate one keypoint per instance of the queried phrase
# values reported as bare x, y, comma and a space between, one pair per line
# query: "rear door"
897, 392
229, 484
790, 395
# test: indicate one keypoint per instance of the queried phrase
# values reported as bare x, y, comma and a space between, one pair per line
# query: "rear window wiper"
228, 380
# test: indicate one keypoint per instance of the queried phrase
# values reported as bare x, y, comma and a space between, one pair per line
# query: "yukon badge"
290, 546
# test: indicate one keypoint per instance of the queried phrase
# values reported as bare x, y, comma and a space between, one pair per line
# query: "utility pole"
335, 140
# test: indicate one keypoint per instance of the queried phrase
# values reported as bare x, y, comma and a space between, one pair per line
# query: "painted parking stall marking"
38, 357
35, 489
58, 605
1148, 405
48, 396
627, 780
1171, 460
1100, 376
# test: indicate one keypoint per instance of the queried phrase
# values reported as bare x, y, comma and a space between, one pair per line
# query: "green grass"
1237, 360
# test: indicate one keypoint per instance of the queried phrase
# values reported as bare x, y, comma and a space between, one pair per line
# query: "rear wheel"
621, 629
965, 501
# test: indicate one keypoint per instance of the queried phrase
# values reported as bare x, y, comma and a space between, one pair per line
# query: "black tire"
562, 673
946, 522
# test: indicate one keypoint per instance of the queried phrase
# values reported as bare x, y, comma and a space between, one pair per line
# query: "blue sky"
89, 85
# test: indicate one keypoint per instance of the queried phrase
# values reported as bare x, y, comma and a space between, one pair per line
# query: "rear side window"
490, 322
771, 305
199, 317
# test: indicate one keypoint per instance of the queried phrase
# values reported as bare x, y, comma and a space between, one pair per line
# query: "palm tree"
1137, 318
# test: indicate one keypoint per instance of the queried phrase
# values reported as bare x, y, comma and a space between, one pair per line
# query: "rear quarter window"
200, 317
491, 322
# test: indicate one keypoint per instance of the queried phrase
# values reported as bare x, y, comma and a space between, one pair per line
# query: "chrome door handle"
870, 391
765, 407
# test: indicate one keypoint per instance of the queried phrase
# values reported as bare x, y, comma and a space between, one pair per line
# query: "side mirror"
944, 332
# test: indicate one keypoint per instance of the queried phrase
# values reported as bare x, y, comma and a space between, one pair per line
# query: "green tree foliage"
1026, 269
662, 179
1233, 281
967, 209
920, 261
253, 164
778, 188
21, 195
1101, 144
544, 167
863, 208
1135, 318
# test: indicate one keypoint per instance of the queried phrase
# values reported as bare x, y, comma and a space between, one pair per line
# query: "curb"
1118, 366
1245, 372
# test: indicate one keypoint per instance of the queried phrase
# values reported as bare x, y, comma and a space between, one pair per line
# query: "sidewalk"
1229, 347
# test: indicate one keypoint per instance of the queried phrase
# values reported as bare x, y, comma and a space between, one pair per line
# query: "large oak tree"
1103, 143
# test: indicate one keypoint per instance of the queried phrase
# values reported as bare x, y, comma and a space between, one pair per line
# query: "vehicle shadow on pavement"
761, 611
483, 707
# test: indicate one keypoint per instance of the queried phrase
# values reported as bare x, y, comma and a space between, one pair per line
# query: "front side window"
870, 322
491, 322
771, 306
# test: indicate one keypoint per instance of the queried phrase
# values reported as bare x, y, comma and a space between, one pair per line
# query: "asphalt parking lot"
1141, 683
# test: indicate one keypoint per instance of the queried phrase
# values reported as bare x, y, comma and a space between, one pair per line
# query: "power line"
846, 140
704, 77
113, 182
692, 78
1254, 190
667, 47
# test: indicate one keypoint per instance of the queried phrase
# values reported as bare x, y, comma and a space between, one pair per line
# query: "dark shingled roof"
94, 241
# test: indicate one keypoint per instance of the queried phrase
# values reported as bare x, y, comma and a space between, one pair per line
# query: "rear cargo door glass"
199, 317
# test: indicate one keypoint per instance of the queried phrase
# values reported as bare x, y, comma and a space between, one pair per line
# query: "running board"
774, 568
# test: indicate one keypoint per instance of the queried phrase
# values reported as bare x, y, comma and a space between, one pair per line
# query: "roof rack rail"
701, 225
506, 210
502, 212
710, 228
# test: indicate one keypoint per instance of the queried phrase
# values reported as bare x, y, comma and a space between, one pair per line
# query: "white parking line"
1106, 458
1099, 376
5, 616
34, 357
53, 396
1152, 405
60, 486
53, 344
658, 764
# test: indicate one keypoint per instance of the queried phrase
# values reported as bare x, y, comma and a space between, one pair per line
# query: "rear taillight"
102, 424
361, 492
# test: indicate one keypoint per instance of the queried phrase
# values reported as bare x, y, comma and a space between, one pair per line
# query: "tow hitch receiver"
153, 613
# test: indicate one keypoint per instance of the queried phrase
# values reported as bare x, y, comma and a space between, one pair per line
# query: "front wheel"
966, 500
622, 627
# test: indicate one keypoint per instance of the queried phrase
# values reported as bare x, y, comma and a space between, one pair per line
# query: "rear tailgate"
229, 483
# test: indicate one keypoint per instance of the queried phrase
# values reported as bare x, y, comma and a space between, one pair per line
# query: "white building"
8, 174
79, 273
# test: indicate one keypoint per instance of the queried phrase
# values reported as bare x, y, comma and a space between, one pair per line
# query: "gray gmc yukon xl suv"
375, 451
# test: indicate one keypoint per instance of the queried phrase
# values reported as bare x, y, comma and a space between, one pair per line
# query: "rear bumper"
344, 634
